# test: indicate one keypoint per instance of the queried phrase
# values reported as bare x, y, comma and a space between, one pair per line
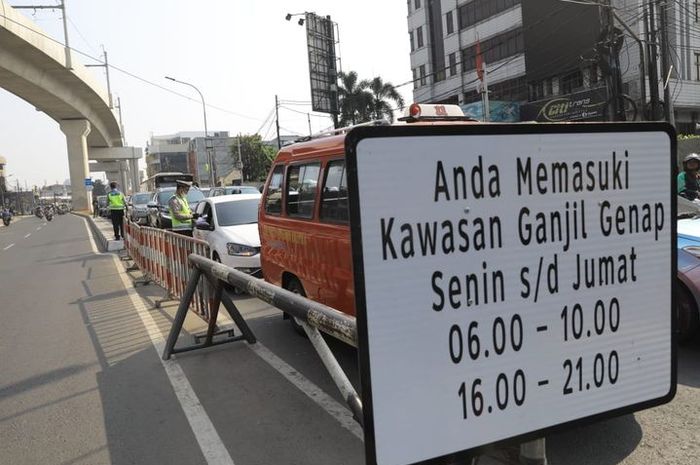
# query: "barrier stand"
183, 308
313, 316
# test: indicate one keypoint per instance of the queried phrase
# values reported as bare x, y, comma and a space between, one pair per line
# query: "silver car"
137, 208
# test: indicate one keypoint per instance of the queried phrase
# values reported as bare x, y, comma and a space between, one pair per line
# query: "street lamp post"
210, 159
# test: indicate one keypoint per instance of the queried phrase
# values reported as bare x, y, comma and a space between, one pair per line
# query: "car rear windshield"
193, 196
141, 198
237, 212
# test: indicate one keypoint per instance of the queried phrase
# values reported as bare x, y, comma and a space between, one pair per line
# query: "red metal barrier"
162, 256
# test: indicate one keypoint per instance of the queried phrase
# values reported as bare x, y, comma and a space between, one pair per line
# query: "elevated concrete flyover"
46, 75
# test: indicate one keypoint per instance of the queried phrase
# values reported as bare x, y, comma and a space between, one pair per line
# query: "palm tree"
383, 93
354, 99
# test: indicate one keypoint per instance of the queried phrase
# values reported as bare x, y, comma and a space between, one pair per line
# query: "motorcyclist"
687, 182
6, 216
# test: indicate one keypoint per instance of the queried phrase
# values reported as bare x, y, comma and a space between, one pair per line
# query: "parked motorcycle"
49, 214
39, 212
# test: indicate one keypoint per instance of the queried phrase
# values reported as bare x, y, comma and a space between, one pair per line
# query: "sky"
239, 53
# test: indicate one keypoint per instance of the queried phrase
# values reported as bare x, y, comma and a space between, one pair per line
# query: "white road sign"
509, 280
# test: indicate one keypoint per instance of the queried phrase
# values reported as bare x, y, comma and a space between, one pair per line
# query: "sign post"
510, 280
88, 184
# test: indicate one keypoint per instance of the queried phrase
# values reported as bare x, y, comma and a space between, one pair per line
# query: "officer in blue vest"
116, 202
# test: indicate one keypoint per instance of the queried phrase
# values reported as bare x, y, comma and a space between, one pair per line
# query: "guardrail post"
182, 310
533, 452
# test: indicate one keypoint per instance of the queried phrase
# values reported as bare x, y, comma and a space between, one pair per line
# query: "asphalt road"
81, 382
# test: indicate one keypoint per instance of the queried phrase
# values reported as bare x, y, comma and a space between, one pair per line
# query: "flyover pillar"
76, 131
134, 172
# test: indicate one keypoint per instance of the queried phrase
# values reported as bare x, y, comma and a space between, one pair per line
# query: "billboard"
587, 105
323, 74
559, 36
527, 286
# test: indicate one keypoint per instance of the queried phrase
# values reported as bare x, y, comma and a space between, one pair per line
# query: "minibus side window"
334, 197
273, 201
302, 181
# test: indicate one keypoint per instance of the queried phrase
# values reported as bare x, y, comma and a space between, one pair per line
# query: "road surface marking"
209, 440
43, 224
27, 235
39, 228
313, 392
11, 245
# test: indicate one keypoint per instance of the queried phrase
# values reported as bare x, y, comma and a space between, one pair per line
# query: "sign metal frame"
351, 142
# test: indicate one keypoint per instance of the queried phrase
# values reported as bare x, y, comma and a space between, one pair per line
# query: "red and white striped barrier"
162, 256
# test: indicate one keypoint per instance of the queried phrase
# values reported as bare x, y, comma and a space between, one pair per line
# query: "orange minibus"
303, 218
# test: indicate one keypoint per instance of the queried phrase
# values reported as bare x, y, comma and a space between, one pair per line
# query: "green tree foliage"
383, 95
98, 188
354, 99
256, 157
362, 101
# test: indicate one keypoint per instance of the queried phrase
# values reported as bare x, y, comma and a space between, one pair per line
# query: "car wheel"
687, 315
295, 286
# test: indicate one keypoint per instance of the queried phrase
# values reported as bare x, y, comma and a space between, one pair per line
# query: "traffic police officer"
179, 207
116, 202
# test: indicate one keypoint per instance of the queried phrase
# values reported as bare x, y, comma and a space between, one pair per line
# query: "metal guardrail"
313, 317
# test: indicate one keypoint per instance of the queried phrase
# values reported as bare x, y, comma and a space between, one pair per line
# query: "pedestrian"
687, 185
179, 207
116, 203
95, 207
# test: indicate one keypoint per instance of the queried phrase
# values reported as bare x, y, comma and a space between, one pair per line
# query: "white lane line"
313, 392
39, 228
9, 246
208, 438
43, 224
27, 235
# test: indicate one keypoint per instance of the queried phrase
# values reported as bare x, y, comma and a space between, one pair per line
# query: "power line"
128, 73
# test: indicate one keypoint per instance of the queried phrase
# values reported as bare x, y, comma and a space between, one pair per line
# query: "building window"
494, 49
449, 23
479, 10
413, 45
697, 10
419, 36
421, 71
571, 82
453, 63
417, 3
511, 90
415, 78
697, 66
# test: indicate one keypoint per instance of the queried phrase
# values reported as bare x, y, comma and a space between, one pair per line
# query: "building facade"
444, 34
188, 152
546, 60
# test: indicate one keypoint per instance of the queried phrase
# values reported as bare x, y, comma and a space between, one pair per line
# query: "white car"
229, 223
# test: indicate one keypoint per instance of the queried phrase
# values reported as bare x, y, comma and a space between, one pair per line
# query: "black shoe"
116, 238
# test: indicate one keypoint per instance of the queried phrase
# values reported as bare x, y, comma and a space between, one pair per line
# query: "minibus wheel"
295, 286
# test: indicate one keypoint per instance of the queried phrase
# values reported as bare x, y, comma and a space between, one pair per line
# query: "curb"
105, 244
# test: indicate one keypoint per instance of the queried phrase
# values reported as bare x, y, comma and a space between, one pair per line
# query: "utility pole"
650, 31
62, 7
105, 65
121, 123
308, 118
240, 157
277, 123
665, 62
